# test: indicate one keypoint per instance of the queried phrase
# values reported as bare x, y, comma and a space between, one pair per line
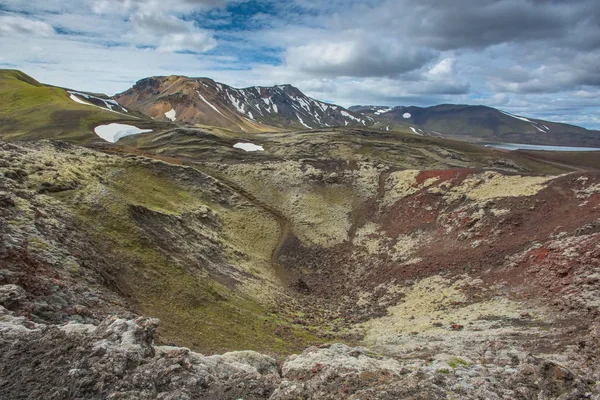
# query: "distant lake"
517, 146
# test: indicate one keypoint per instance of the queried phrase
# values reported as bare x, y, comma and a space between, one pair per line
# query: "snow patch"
382, 111
515, 116
352, 117
76, 97
302, 122
415, 131
248, 146
538, 128
172, 115
269, 103
107, 102
322, 106
210, 105
113, 132
237, 104
78, 100
406, 115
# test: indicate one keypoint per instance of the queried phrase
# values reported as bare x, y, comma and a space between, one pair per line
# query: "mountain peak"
253, 109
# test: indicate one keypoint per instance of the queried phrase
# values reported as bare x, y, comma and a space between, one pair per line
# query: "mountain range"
479, 123
203, 101
158, 104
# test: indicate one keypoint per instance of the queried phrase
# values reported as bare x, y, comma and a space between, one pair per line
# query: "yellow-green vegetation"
188, 251
492, 185
375, 242
432, 305
195, 308
31, 110
400, 184
319, 214
457, 362
478, 187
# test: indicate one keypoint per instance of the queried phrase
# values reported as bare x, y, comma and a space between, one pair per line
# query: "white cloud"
443, 69
357, 58
195, 41
14, 25
169, 33
172, 6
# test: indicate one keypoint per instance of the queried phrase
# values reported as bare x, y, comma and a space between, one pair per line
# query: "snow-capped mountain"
478, 123
206, 102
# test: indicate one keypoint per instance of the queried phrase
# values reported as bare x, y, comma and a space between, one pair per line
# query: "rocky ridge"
118, 360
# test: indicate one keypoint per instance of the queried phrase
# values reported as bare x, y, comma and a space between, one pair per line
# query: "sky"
538, 58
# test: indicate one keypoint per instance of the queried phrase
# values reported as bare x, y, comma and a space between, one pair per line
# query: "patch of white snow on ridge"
210, 105
538, 128
406, 115
352, 117
113, 132
415, 131
172, 115
78, 100
237, 104
382, 111
302, 122
248, 146
322, 106
268, 102
515, 116
75, 96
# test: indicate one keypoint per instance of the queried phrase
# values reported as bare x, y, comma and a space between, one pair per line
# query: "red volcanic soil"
455, 176
455, 242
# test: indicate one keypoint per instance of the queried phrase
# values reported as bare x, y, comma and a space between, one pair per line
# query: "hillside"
31, 110
202, 101
479, 123
452, 262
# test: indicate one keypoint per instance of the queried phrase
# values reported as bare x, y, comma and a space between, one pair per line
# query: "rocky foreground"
117, 360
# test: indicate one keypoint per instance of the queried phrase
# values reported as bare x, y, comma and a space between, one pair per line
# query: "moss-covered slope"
30, 110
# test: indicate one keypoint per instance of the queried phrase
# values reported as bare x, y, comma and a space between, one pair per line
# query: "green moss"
195, 310
32, 111
455, 362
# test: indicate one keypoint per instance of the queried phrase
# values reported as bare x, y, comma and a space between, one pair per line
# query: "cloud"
127, 6
538, 58
196, 41
14, 25
170, 34
357, 58
152, 23
576, 72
